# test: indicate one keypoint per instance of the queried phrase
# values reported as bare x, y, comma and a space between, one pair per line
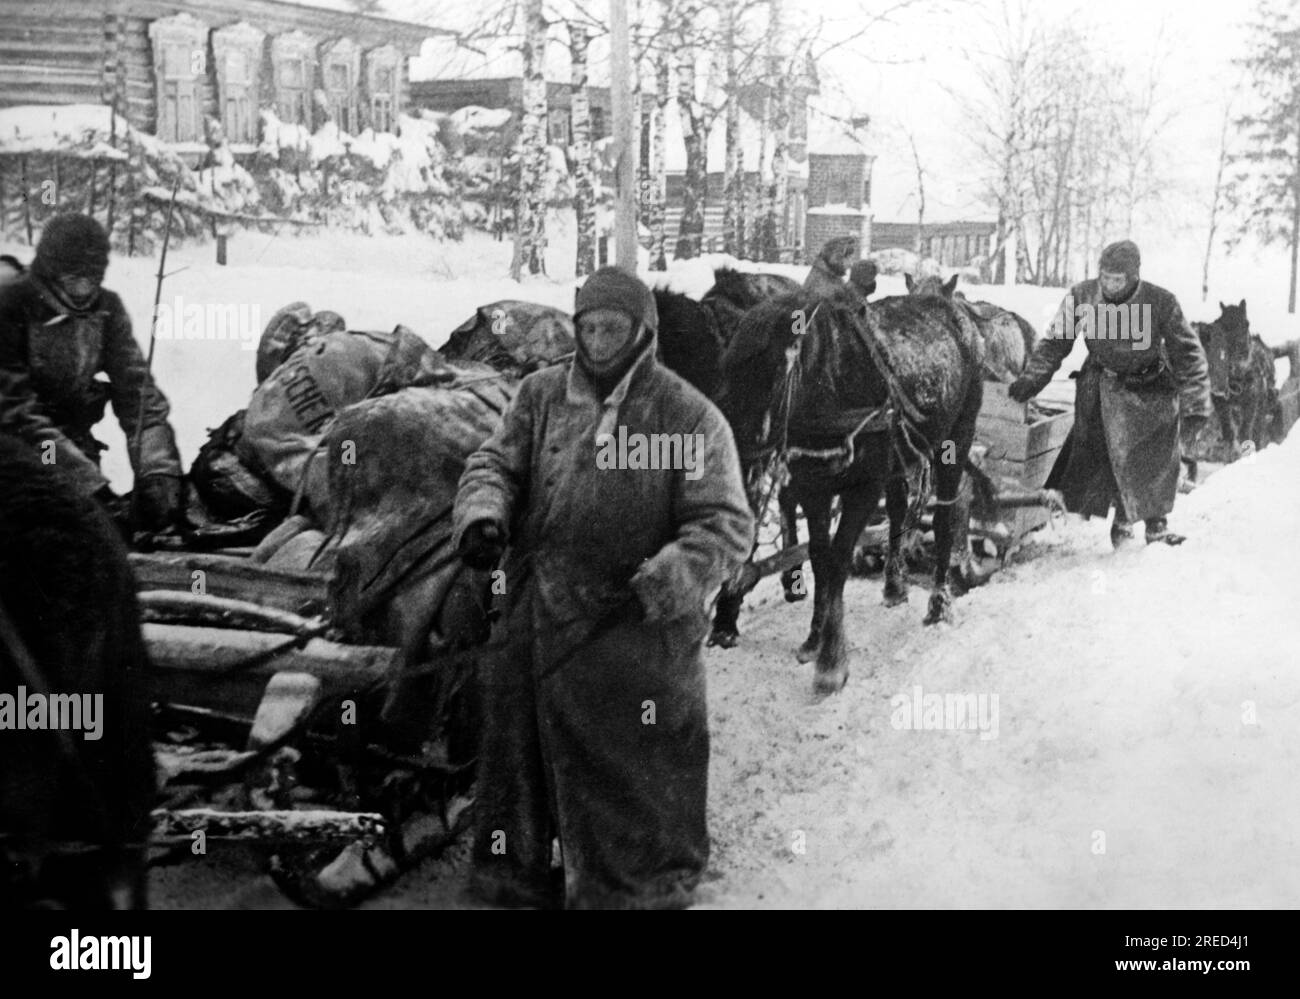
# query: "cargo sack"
293, 408
229, 486
514, 337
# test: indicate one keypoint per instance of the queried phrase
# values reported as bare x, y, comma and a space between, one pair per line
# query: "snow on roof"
75, 130
445, 58
832, 132
474, 117
839, 210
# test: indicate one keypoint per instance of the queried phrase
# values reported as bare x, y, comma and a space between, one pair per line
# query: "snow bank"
76, 130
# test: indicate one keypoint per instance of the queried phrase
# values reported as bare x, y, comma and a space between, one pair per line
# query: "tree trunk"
584, 187
695, 127
659, 163
764, 238
530, 224
733, 190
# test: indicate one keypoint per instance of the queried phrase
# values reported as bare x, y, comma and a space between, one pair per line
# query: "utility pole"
625, 196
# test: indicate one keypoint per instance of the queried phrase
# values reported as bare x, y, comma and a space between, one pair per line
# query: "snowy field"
1148, 704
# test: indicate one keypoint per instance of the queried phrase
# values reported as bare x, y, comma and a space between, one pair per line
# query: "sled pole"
153, 340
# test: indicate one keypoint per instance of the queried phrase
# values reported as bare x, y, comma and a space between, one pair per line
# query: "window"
839, 189
238, 51
382, 100
178, 119
383, 82
291, 91
339, 90
180, 67
294, 65
597, 124
342, 71
558, 129
237, 99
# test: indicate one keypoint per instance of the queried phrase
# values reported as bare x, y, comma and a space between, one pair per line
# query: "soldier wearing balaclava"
595, 726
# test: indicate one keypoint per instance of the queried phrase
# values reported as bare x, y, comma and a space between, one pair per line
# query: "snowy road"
1147, 739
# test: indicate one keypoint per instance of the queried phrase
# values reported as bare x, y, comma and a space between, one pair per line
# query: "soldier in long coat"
1125, 444
59, 329
593, 692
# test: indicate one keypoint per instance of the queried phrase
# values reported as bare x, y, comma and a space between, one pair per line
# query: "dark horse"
694, 334
855, 402
74, 805
733, 294
1008, 338
1243, 386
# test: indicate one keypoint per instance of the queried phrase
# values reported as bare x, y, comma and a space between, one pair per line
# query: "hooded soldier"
59, 329
1144, 364
862, 278
832, 263
613, 489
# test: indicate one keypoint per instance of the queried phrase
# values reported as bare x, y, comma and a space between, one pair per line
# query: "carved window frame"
237, 98
180, 60
343, 101
293, 100
384, 103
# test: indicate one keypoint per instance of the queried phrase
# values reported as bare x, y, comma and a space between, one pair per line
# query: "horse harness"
898, 416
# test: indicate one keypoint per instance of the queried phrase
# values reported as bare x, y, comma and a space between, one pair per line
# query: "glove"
1022, 389
481, 546
657, 584
157, 503
1189, 432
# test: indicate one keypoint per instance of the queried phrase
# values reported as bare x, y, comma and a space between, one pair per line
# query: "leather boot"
1158, 530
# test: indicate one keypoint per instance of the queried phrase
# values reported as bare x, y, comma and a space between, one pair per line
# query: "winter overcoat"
1124, 446
595, 723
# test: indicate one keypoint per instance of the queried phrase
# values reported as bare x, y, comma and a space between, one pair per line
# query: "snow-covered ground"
1148, 715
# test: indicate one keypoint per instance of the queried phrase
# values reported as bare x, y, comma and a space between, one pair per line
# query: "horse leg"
895, 564
962, 575
947, 480
793, 580
832, 659
817, 509
726, 617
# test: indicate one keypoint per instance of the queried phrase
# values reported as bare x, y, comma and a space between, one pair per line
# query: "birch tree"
584, 187
530, 225
697, 116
